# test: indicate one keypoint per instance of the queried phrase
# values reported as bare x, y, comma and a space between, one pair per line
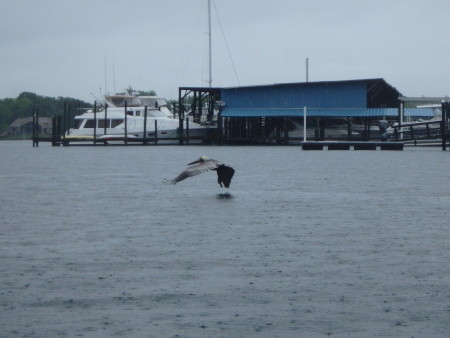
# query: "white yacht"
114, 124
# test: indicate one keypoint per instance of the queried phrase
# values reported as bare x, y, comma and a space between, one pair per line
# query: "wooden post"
200, 107
349, 128
219, 127
54, 130
194, 108
58, 130
286, 134
156, 131
69, 119
145, 125
411, 130
64, 122
95, 123
33, 128
106, 120
180, 118
126, 124
210, 108
187, 130
37, 127
444, 109
304, 123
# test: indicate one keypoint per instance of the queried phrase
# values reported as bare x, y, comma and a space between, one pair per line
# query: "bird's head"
199, 160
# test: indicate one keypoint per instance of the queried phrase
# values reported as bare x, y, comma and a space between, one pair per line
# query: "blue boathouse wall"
350, 94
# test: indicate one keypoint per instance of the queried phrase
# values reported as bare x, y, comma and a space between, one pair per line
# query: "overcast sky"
77, 47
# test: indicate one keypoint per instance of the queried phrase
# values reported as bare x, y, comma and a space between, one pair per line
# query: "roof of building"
17, 123
364, 93
372, 81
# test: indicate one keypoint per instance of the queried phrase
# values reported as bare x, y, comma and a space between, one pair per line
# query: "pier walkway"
352, 145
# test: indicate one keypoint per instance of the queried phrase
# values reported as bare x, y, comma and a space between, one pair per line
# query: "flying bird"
203, 164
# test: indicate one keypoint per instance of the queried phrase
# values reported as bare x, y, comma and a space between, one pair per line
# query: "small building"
24, 125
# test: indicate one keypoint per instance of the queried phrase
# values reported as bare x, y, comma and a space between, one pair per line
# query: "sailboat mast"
210, 47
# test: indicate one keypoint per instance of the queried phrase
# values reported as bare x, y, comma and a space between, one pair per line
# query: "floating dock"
352, 145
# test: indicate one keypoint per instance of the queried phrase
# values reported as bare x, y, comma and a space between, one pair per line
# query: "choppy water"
307, 244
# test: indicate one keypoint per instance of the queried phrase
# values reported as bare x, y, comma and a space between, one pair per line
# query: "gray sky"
69, 47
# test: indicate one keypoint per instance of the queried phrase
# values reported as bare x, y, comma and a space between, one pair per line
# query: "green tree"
26, 102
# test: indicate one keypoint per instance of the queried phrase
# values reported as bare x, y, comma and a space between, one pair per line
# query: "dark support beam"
126, 123
445, 112
106, 119
65, 121
145, 126
349, 128
95, 122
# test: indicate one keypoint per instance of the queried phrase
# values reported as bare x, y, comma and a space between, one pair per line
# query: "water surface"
305, 243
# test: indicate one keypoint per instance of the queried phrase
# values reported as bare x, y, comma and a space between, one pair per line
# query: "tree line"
26, 102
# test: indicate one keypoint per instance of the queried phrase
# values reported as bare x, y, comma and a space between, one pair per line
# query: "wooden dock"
352, 145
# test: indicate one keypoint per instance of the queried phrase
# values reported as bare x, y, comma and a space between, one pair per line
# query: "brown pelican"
203, 164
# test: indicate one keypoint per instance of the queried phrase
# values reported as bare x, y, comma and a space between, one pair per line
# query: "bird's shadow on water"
224, 196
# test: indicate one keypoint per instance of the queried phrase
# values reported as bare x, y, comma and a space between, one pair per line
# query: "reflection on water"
224, 196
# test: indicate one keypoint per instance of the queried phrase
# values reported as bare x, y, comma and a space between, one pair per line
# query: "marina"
140, 125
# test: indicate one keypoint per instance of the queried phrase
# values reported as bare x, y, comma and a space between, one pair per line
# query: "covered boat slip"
285, 125
332, 110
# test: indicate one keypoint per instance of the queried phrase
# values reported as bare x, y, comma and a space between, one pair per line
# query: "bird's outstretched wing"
195, 170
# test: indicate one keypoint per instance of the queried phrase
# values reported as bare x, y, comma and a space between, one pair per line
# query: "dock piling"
35, 128
445, 111
126, 123
95, 123
145, 126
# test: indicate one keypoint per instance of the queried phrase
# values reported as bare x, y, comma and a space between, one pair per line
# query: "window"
89, 124
116, 122
101, 123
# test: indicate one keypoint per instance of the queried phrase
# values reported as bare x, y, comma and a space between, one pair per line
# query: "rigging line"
226, 43
186, 54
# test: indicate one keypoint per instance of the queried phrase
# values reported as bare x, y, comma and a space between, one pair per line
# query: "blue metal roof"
365, 93
330, 112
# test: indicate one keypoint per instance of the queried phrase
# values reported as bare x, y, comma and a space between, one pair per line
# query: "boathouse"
275, 113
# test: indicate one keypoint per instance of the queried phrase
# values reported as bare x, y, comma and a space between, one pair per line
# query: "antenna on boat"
114, 74
106, 90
